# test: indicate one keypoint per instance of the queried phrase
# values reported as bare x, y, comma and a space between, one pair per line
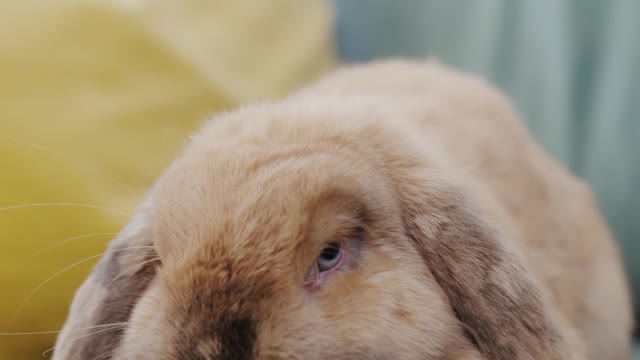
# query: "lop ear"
109, 294
490, 291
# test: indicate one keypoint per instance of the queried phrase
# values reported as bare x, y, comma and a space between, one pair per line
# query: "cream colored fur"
477, 245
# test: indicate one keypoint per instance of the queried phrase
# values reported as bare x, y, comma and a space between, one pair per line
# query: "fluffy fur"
476, 245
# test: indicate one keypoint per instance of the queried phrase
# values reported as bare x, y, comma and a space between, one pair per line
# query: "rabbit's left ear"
490, 291
103, 304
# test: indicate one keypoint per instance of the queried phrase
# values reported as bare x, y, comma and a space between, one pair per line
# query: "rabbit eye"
330, 257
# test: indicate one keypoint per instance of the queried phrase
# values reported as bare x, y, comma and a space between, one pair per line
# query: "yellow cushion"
96, 97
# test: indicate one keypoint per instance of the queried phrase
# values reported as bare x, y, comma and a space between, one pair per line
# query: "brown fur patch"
500, 308
126, 284
234, 338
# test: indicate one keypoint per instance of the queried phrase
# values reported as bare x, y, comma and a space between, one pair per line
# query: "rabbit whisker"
44, 354
58, 331
13, 318
67, 159
129, 269
71, 239
21, 206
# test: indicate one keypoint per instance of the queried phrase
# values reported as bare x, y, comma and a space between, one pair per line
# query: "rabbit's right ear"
104, 302
498, 304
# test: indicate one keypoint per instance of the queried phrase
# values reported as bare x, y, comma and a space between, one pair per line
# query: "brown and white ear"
490, 291
104, 302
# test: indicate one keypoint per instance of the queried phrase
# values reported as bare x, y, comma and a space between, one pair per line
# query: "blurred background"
97, 96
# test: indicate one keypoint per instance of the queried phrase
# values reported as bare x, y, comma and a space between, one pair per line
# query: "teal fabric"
571, 66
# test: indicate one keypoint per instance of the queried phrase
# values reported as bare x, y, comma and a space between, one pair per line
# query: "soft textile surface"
96, 97
571, 66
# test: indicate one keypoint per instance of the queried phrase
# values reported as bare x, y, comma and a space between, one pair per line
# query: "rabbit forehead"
259, 193
263, 161
248, 236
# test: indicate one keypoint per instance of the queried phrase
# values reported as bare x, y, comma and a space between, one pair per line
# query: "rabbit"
391, 210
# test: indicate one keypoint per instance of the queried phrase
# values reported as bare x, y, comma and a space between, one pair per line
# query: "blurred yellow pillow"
96, 97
